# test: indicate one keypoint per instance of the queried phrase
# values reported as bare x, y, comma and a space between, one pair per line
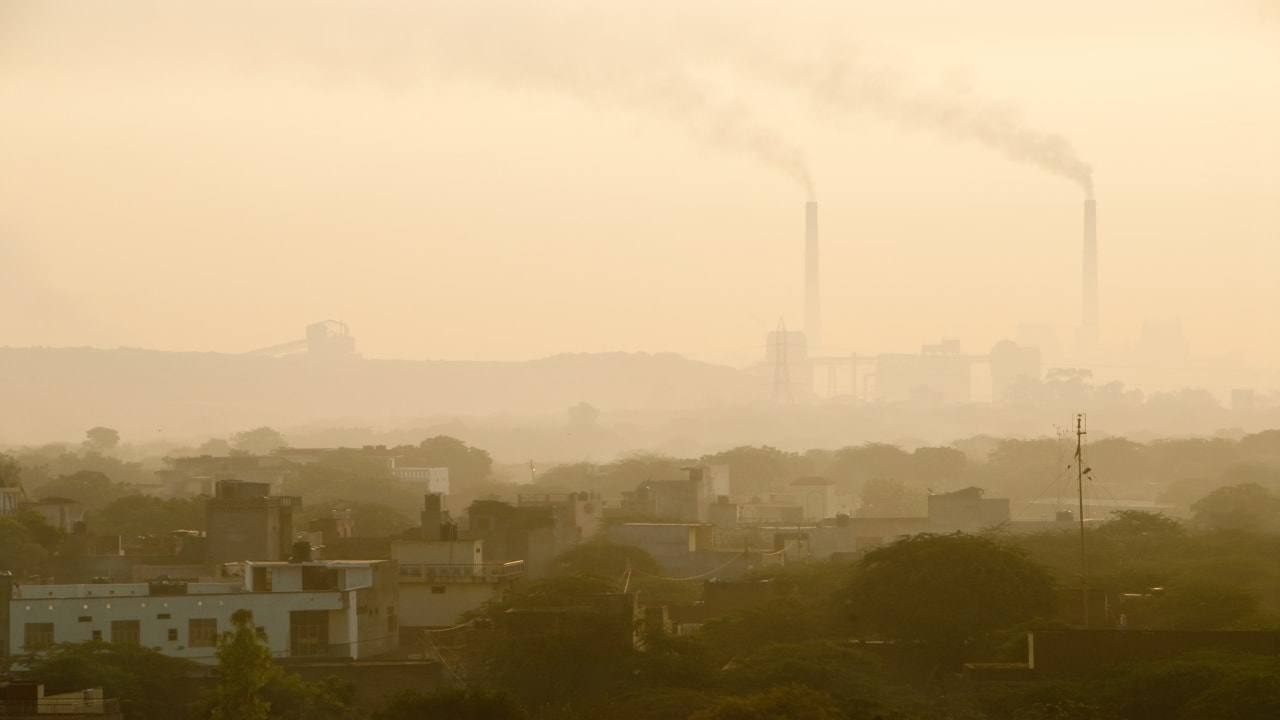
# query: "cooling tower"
812, 305
1089, 303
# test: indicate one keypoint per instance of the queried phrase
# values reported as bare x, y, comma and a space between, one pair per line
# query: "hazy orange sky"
507, 180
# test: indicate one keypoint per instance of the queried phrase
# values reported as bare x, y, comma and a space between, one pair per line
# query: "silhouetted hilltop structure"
61, 391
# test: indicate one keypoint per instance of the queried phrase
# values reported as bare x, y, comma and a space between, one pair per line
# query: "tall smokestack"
812, 304
1089, 304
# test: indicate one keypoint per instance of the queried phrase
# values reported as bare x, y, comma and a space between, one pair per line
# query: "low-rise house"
442, 579
335, 609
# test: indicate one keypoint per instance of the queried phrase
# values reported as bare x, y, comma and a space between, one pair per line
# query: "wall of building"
440, 604
445, 579
76, 615
357, 598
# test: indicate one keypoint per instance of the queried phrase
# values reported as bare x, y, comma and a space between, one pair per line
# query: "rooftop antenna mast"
1081, 471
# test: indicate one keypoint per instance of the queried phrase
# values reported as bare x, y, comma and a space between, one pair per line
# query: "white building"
442, 579
336, 609
434, 479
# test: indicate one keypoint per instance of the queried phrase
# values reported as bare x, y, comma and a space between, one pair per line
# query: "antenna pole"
1084, 585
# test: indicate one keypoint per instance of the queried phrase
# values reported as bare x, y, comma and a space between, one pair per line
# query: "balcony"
461, 573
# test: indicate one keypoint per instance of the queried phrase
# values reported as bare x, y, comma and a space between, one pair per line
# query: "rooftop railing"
472, 572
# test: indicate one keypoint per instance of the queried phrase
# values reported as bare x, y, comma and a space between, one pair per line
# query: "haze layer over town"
755, 306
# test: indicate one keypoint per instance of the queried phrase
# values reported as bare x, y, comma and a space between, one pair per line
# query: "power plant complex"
801, 363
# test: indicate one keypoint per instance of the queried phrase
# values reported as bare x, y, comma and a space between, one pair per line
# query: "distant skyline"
514, 180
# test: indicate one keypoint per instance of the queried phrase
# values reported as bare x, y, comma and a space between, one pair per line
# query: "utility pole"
1080, 471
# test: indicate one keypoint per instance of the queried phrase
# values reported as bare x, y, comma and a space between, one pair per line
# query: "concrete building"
582, 510
432, 479
685, 500
966, 511
535, 534
442, 579
816, 497
345, 609
192, 476
244, 521
614, 619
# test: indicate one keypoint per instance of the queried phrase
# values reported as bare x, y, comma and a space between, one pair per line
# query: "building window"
39, 636
126, 632
437, 589
173, 634
97, 634
202, 632
163, 616
308, 633
85, 618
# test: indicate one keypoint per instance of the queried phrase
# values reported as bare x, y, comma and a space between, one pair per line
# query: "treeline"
884, 480
886, 636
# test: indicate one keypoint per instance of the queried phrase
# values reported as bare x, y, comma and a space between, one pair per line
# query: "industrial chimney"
1089, 304
812, 305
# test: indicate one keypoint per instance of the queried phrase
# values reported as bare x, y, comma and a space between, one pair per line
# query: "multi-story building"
442, 577
334, 609
244, 521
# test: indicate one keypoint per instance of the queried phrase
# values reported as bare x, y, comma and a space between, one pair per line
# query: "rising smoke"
571, 50
952, 107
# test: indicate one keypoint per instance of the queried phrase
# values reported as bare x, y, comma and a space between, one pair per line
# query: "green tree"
850, 677
782, 702
102, 439
1130, 523
469, 703
292, 698
1247, 507
150, 686
380, 504
851, 467
135, 515
91, 488
888, 497
258, 441
947, 590
467, 464
938, 466
214, 446
20, 552
756, 470
244, 664
10, 471
606, 560
371, 519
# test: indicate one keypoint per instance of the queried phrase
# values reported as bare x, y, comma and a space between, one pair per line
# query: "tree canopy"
947, 589
102, 439
258, 441
244, 664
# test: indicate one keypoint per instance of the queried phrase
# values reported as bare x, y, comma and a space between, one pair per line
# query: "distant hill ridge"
60, 392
